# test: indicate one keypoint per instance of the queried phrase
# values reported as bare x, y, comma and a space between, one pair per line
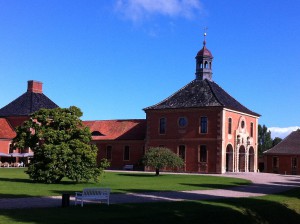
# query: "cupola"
204, 63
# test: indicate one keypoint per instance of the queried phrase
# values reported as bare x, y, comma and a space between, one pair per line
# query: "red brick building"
15, 113
284, 157
201, 122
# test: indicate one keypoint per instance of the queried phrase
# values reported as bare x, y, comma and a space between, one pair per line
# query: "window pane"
162, 125
294, 162
203, 128
203, 153
126, 153
229, 125
275, 162
181, 152
108, 152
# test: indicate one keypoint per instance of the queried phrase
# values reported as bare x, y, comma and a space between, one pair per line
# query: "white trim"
238, 112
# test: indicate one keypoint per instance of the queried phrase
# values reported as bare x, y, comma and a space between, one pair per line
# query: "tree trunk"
156, 171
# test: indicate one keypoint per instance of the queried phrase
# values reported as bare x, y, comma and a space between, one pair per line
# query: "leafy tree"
159, 157
276, 140
264, 139
61, 146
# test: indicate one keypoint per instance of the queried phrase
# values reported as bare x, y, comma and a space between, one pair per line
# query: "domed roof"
204, 51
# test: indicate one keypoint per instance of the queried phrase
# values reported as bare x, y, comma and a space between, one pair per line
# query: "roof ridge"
213, 92
147, 108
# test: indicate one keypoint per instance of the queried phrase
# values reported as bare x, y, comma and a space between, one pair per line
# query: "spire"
204, 62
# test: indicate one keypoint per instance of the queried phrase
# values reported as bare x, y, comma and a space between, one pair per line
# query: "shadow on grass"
23, 180
246, 210
215, 186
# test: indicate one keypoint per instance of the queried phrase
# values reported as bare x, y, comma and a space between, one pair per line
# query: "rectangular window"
162, 125
251, 130
126, 155
294, 163
108, 152
181, 152
275, 162
229, 125
203, 125
203, 154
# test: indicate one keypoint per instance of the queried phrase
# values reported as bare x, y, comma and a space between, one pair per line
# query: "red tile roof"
290, 145
118, 129
6, 131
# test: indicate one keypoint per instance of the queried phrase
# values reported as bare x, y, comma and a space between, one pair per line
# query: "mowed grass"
271, 209
15, 183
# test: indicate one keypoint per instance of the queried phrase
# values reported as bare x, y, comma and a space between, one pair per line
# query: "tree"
276, 140
264, 139
159, 157
61, 146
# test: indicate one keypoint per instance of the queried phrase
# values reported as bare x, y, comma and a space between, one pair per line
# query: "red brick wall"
4, 145
284, 165
17, 121
117, 162
188, 136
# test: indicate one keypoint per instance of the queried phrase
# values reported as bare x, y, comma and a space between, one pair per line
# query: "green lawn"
281, 208
15, 183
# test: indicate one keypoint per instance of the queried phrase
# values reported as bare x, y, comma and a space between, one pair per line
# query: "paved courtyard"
262, 184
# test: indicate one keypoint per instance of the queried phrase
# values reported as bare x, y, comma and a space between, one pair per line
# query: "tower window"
209, 65
203, 125
162, 125
206, 65
201, 65
229, 125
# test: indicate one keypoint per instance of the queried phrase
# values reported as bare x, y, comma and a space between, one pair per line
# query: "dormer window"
97, 133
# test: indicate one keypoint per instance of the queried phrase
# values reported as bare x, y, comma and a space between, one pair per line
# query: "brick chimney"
35, 86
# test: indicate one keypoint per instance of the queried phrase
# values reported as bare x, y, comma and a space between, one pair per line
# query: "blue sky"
113, 58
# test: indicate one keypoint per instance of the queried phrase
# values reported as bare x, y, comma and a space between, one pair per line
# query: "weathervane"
205, 29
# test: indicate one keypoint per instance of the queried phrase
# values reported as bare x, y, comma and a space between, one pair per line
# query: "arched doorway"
242, 159
251, 159
229, 158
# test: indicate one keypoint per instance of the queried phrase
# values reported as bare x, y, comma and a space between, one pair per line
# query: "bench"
128, 167
89, 194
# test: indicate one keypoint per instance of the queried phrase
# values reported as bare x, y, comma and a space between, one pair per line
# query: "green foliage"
276, 140
158, 158
61, 146
264, 139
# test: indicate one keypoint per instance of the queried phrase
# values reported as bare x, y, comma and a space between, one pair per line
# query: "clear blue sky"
113, 58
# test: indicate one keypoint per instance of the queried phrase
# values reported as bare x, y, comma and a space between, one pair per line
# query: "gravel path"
262, 184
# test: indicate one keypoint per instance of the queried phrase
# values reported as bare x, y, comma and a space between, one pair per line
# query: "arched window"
205, 64
201, 65
229, 125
